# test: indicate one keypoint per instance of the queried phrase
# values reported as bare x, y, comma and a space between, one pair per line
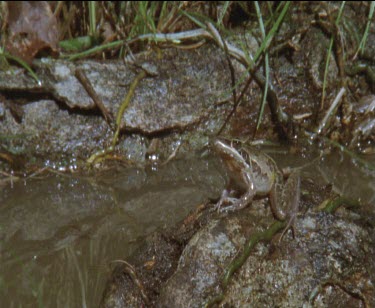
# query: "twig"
173, 155
130, 270
232, 76
329, 113
81, 76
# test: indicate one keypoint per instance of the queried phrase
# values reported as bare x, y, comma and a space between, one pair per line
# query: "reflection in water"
59, 234
349, 177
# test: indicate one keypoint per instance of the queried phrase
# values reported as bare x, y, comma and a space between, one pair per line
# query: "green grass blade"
194, 19
267, 69
267, 41
92, 18
94, 50
329, 52
223, 11
24, 65
362, 44
163, 13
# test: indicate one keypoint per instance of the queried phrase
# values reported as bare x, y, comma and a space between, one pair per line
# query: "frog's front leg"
235, 203
225, 198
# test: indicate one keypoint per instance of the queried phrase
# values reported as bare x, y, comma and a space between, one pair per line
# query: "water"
350, 177
59, 234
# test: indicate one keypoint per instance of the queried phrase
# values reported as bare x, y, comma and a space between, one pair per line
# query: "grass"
329, 53
363, 41
7, 56
266, 66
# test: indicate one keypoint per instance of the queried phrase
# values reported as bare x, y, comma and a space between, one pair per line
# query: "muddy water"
59, 234
352, 177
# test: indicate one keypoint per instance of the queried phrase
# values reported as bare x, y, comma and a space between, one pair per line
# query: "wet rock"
184, 94
123, 290
329, 261
363, 132
185, 90
200, 265
54, 134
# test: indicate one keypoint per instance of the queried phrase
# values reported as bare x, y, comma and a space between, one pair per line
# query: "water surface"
59, 233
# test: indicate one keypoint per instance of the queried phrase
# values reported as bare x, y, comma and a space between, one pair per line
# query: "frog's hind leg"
290, 225
294, 201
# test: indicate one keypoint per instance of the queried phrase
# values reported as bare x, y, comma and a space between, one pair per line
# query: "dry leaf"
31, 28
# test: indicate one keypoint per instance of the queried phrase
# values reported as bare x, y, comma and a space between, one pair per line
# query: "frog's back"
263, 169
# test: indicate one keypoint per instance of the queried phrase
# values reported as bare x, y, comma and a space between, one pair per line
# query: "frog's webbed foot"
224, 199
235, 203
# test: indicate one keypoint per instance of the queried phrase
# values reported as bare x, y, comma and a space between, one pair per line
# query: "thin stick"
130, 270
329, 113
81, 76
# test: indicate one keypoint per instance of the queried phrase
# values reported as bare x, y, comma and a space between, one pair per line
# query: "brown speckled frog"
255, 173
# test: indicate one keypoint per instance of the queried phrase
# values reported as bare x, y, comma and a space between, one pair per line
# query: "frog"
256, 174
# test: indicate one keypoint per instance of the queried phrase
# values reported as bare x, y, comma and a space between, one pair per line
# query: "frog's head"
237, 167
229, 154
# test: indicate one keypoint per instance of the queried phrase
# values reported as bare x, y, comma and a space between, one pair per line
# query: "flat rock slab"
52, 136
188, 84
